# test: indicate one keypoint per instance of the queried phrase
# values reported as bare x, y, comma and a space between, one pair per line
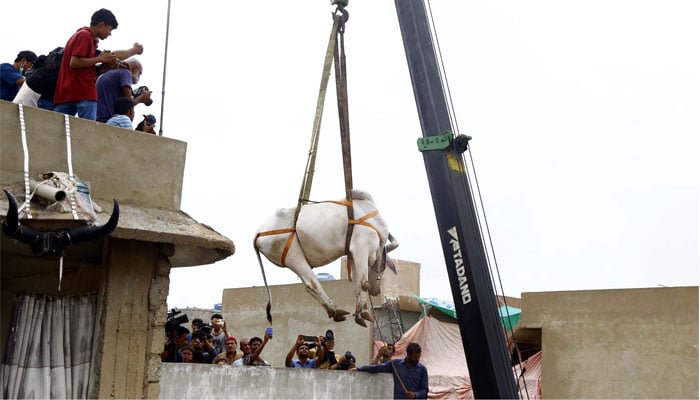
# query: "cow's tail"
269, 296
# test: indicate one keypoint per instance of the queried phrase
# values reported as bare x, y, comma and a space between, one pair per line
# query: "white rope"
69, 157
27, 197
60, 272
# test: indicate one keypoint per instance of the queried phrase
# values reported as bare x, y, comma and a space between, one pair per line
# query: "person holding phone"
301, 347
219, 332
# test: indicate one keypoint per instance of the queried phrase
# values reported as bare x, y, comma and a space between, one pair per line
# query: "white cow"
319, 238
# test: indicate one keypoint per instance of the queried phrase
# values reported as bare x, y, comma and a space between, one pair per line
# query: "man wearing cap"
12, 75
148, 125
231, 354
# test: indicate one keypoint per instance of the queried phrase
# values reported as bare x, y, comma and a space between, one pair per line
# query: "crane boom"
472, 289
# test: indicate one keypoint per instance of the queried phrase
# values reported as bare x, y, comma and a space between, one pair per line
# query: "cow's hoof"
340, 315
360, 321
367, 316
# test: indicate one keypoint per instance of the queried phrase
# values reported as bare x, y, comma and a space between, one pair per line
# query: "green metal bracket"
439, 142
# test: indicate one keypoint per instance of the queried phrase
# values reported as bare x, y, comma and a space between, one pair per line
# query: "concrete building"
129, 270
614, 344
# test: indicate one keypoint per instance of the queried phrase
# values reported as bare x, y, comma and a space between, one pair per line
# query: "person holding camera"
117, 83
346, 362
328, 344
147, 125
301, 347
176, 339
410, 376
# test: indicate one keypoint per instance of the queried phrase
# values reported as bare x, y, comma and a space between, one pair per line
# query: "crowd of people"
80, 79
212, 343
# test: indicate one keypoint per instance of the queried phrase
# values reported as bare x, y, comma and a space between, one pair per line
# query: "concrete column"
127, 324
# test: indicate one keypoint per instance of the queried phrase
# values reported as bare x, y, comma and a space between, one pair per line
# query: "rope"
69, 158
381, 336
27, 196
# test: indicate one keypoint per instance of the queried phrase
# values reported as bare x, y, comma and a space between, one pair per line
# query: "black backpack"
43, 80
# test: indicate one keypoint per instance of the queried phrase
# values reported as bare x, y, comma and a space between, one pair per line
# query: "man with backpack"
40, 83
75, 87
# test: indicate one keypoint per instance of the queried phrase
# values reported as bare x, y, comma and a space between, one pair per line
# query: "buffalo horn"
12, 228
91, 231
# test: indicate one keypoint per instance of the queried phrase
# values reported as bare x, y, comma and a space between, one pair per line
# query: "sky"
585, 119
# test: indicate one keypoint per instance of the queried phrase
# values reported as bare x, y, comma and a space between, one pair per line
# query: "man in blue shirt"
123, 114
12, 75
410, 376
302, 350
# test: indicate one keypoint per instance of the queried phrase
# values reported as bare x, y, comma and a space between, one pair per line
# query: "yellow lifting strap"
305, 190
335, 53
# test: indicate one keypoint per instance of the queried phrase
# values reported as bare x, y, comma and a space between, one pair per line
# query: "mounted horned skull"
53, 243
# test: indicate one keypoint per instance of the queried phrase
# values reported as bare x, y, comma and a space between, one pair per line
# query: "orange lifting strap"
292, 231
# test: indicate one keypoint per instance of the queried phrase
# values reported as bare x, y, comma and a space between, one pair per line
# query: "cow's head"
53, 243
384, 261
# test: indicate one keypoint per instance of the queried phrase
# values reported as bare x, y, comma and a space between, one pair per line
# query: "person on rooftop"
75, 88
12, 75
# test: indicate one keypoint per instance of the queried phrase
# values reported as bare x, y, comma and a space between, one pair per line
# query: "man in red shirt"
75, 88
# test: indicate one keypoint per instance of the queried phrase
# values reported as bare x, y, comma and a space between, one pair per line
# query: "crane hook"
340, 6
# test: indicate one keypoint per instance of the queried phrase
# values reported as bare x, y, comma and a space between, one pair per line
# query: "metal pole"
165, 64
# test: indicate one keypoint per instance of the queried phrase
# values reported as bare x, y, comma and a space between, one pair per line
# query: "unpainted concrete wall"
628, 343
198, 381
131, 329
295, 312
134, 167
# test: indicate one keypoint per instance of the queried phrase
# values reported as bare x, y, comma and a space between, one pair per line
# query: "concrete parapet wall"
295, 312
202, 381
136, 168
622, 343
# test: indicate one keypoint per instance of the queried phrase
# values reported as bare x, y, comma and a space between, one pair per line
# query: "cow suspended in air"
319, 238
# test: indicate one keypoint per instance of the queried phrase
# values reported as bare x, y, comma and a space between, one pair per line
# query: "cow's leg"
361, 280
304, 271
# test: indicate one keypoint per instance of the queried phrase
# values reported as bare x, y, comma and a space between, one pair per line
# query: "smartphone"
310, 339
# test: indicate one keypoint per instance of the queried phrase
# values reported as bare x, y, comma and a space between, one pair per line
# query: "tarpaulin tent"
443, 356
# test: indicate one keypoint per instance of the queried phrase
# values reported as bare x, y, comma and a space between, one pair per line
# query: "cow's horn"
89, 232
11, 226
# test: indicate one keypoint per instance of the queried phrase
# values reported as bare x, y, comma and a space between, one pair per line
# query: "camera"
138, 92
348, 359
173, 320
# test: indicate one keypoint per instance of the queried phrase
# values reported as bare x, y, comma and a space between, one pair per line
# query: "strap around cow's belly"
292, 232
